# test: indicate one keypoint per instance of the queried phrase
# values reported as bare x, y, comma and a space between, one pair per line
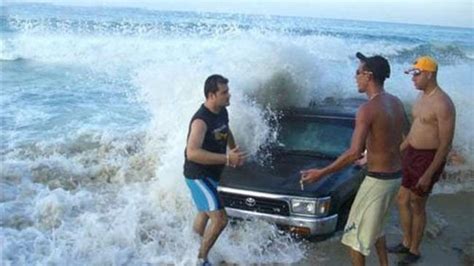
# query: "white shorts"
369, 213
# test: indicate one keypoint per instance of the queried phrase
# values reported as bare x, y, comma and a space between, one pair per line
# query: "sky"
457, 13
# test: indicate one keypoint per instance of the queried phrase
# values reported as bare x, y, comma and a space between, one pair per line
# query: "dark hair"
378, 65
210, 86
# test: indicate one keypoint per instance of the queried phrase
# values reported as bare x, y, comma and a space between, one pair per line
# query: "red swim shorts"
414, 164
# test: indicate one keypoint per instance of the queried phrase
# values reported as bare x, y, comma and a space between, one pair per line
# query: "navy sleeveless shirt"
215, 141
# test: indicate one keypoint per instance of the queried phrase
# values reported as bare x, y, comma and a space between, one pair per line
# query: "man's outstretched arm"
349, 156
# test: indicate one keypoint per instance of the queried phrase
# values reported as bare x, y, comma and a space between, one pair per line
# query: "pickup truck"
307, 138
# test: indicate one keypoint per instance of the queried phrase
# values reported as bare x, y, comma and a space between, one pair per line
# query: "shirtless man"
379, 129
424, 155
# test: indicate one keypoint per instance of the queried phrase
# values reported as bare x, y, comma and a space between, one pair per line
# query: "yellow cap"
424, 63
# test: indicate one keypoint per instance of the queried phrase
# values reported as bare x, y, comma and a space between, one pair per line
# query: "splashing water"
96, 104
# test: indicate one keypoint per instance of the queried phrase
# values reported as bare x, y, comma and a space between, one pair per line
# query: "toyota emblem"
250, 202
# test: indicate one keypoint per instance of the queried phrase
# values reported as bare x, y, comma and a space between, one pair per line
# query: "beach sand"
448, 240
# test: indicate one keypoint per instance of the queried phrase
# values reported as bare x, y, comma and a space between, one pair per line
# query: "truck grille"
258, 204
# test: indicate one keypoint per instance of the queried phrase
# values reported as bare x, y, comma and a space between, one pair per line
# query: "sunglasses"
415, 72
358, 72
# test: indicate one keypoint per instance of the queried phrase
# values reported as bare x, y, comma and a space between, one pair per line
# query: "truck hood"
282, 176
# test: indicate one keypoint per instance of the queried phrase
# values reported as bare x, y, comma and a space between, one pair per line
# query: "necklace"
432, 92
375, 95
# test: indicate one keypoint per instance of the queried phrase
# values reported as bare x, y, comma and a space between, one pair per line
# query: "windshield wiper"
282, 150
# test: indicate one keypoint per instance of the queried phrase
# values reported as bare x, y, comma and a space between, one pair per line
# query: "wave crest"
85, 159
445, 54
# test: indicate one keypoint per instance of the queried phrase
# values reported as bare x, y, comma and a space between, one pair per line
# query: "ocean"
95, 104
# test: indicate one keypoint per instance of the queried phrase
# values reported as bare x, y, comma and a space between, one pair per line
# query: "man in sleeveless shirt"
210, 146
379, 128
424, 155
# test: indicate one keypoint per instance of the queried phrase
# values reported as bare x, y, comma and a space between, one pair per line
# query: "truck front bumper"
315, 225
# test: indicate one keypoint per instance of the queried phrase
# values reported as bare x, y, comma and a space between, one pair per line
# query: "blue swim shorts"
204, 194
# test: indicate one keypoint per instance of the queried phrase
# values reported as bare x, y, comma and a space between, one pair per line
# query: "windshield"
326, 136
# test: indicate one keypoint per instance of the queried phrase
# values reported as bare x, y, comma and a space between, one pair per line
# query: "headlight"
319, 207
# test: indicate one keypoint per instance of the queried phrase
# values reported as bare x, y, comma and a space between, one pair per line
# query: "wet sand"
448, 240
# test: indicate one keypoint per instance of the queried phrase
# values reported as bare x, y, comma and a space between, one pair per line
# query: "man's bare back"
424, 133
387, 117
